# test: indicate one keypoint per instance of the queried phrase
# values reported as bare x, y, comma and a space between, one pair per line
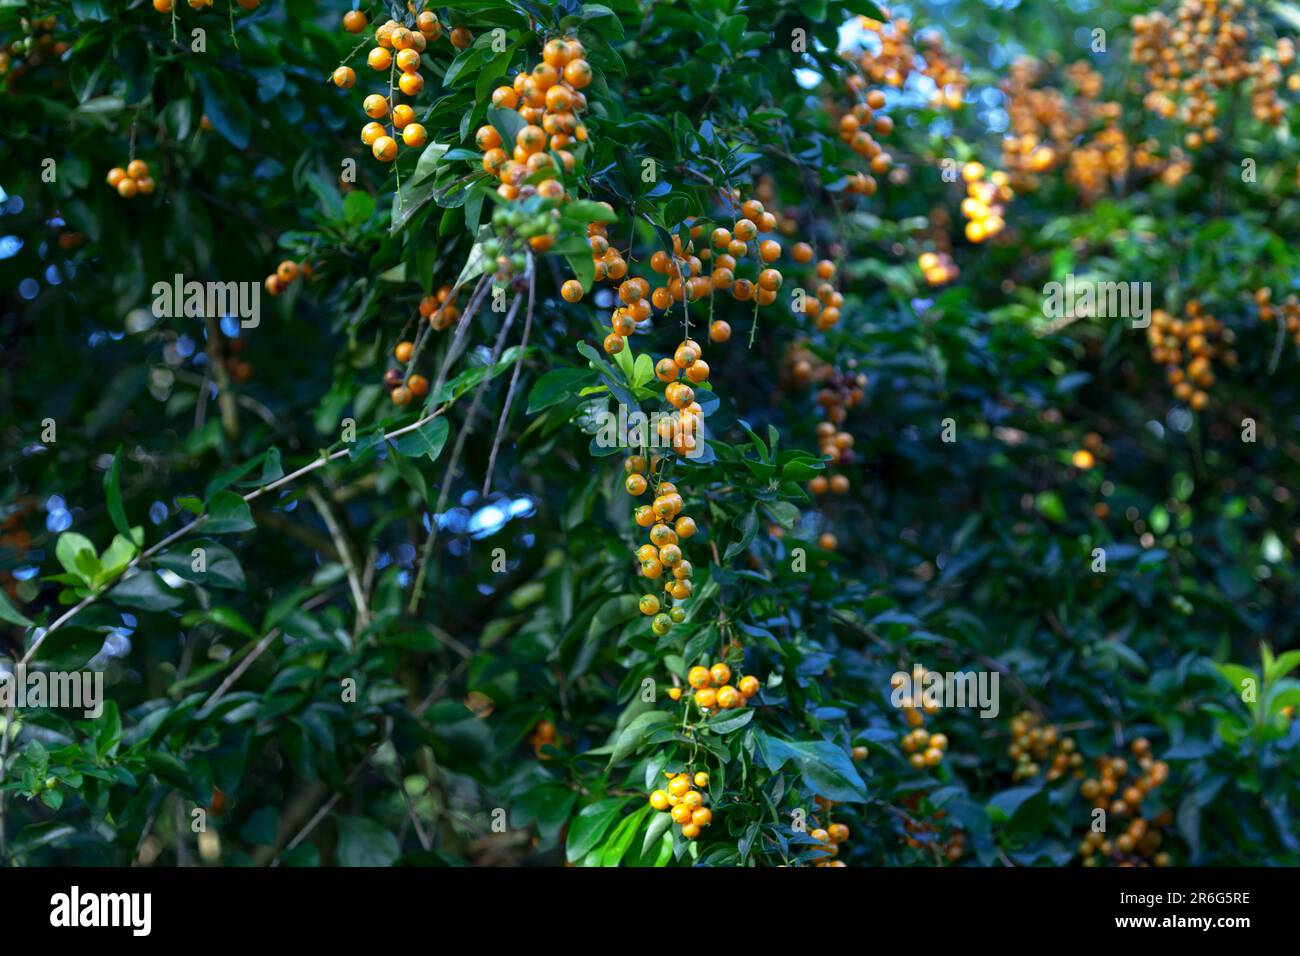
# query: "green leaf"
428, 163
221, 567
508, 123
113, 495
146, 591
427, 440
1283, 665
620, 840
827, 769
584, 210
635, 732
10, 614
228, 513
726, 723
77, 555
590, 825
555, 386
363, 842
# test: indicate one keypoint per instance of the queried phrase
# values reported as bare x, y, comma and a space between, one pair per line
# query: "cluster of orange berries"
985, 201
286, 274
724, 251
836, 445
1033, 744
856, 126
440, 309
839, 391
826, 302
714, 690
167, 6
408, 45
404, 386
1043, 123
829, 839
634, 307
892, 59
681, 428
1200, 51
549, 99
1288, 311
668, 527
132, 181
543, 734
888, 58
1188, 348
924, 749
937, 268
32, 50
1110, 791
685, 802
693, 274
1047, 128
922, 833
1108, 157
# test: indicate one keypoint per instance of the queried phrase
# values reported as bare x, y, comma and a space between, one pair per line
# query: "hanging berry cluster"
549, 99
39, 47
132, 181
985, 202
1120, 791
837, 393
829, 840
662, 555
714, 691
1206, 47
924, 749
286, 274
937, 268
167, 6
1034, 744
397, 51
934, 833
1288, 311
890, 59
685, 802
1188, 348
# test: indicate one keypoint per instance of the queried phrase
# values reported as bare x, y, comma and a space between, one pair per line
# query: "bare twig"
467, 428
514, 380
345, 556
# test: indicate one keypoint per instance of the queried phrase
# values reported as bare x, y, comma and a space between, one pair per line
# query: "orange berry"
577, 73
411, 83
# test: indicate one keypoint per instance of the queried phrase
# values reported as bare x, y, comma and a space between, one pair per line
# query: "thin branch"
413, 606
514, 380
345, 556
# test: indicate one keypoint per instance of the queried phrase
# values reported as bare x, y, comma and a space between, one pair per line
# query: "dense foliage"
364, 574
